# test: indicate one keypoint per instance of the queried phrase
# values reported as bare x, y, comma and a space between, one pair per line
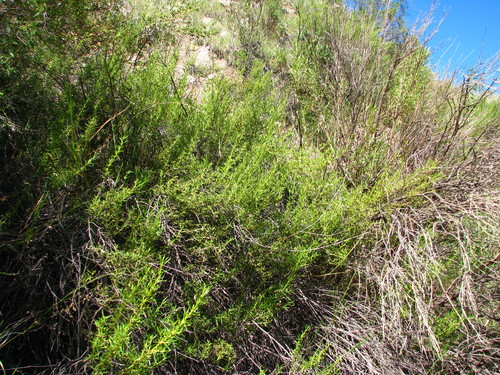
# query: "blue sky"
469, 27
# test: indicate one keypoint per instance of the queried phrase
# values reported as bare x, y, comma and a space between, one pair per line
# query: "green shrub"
326, 207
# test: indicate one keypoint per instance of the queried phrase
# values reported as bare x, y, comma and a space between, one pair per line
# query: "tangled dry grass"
434, 273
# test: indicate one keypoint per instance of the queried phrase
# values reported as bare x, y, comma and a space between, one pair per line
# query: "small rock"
221, 63
203, 60
191, 80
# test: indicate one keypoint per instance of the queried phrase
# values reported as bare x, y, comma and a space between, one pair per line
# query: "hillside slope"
243, 187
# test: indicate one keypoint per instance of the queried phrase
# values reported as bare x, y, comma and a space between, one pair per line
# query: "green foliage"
219, 351
314, 362
447, 328
207, 226
139, 332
